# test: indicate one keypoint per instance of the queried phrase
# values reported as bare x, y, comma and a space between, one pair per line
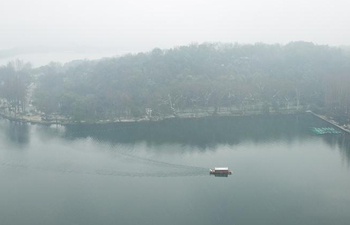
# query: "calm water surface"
158, 173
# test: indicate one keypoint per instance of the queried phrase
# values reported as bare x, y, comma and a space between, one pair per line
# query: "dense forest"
206, 78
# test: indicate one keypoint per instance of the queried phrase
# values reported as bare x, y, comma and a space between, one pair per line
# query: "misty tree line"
15, 80
208, 77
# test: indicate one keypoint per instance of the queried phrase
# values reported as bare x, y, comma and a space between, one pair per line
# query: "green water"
158, 173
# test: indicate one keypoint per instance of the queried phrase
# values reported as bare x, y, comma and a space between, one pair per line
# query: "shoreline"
158, 119
135, 120
23, 120
333, 123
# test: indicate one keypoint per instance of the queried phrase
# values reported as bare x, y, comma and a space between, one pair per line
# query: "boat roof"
221, 168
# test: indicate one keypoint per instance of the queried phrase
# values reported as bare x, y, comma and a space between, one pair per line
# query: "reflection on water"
200, 134
207, 133
158, 173
203, 132
15, 133
341, 142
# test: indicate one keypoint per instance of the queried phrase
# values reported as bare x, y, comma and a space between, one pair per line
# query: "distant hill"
198, 78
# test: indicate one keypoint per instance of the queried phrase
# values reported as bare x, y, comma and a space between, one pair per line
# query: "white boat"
220, 171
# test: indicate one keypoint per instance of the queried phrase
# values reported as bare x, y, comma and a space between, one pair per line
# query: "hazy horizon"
132, 26
44, 31
43, 55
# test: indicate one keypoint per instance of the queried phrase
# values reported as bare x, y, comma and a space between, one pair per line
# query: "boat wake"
106, 172
160, 163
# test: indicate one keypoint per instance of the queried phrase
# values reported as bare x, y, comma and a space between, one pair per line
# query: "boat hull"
220, 172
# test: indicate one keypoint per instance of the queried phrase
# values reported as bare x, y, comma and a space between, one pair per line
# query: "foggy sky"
138, 25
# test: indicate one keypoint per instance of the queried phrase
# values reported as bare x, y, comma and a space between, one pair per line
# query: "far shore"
38, 120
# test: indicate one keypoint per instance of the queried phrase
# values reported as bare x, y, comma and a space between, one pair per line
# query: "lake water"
158, 173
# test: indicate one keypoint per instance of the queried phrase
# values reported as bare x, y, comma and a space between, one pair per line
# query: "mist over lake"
158, 172
193, 112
